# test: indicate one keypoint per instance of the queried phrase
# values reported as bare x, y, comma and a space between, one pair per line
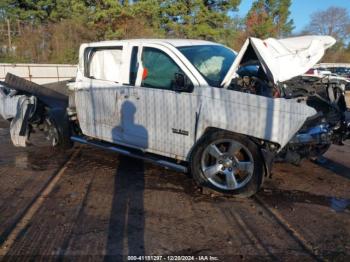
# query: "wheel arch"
265, 154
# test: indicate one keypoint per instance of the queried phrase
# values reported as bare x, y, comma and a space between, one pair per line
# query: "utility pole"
9, 34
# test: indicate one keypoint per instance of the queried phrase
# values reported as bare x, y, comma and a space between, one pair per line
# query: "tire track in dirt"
288, 228
32, 209
251, 236
273, 243
60, 228
168, 204
80, 215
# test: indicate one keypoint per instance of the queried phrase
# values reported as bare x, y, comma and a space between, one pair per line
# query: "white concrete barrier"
39, 73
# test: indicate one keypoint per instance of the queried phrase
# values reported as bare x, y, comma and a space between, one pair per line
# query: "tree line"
50, 31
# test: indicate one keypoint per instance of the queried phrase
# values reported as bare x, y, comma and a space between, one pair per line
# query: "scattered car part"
28, 105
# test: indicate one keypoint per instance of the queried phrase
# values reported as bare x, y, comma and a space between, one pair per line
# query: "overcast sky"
301, 9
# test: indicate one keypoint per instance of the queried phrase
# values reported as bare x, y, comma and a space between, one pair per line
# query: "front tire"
228, 163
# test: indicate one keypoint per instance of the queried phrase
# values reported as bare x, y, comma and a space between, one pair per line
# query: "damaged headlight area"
331, 124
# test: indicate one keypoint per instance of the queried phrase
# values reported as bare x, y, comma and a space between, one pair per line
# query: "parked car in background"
190, 105
340, 71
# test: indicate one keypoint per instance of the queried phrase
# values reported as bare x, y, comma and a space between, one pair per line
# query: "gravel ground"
88, 204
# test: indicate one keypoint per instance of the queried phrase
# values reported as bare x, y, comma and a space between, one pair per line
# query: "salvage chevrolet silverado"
190, 105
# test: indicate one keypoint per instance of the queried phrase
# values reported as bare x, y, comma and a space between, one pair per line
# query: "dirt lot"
87, 204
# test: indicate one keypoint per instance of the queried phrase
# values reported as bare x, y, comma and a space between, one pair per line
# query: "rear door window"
104, 64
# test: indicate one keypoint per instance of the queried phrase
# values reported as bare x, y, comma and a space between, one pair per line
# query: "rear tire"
228, 163
59, 126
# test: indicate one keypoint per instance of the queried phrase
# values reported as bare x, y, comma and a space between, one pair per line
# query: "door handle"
136, 95
118, 96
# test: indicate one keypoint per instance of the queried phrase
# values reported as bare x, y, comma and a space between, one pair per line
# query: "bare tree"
334, 21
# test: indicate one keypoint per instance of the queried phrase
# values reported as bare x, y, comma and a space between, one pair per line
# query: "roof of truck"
174, 42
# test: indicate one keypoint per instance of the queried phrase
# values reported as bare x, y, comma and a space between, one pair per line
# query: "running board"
124, 151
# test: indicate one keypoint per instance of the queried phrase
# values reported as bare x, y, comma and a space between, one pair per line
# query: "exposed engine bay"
252, 79
331, 125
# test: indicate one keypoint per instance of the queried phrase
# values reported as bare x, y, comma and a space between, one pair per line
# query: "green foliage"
35, 10
268, 18
52, 30
198, 19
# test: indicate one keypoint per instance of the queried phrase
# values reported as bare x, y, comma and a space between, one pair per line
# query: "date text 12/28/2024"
173, 258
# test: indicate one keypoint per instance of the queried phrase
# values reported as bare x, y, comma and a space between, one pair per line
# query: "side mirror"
182, 83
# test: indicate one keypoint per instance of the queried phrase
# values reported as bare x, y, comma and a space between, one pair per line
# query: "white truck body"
190, 105
153, 119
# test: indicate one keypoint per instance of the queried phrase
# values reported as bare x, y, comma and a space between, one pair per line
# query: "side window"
104, 63
159, 69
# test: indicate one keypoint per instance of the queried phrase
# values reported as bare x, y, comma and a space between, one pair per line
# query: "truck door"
99, 93
162, 119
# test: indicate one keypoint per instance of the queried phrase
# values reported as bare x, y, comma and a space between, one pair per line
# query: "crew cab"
192, 105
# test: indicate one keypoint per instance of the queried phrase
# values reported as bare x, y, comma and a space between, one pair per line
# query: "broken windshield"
212, 61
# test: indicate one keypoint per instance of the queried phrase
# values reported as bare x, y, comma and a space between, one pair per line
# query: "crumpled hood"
282, 59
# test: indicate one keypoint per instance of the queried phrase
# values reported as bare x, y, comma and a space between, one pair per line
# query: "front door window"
159, 69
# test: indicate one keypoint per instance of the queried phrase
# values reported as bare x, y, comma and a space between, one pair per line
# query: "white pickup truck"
190, 105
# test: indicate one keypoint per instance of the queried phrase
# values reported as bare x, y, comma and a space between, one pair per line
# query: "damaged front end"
274, 68
331, 124
31, 107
